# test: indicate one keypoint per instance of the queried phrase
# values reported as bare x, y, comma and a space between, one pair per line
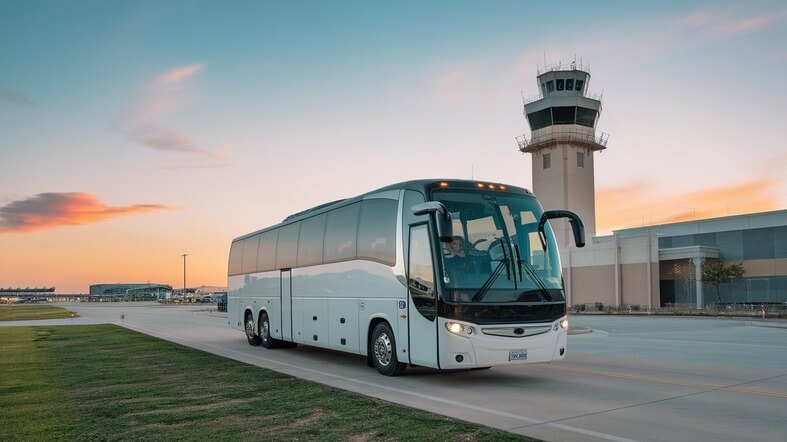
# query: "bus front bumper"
478, 347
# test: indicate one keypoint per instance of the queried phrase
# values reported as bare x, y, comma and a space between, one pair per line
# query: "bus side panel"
315, 322
264, 289
234, 304
343, 325
297, 318
370, 289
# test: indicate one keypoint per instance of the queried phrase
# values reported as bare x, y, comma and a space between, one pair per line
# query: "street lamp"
184, 276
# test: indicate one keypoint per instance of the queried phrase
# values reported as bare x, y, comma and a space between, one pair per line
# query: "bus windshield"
497, 254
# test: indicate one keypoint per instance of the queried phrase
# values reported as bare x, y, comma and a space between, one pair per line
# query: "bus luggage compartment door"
286, 305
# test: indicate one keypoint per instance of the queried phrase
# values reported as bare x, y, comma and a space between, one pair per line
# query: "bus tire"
249, 328
383, 348
265, 332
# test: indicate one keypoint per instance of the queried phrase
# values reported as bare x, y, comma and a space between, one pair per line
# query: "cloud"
50, 210
177, 75
145, 124
746, 24
15, 98
637, 205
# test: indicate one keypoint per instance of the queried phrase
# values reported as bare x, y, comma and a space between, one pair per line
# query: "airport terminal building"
656, 266
129, 292
650, 266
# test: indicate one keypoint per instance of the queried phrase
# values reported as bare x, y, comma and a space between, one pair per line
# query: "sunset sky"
133, 132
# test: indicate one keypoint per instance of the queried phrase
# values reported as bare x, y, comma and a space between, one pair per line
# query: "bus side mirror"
442, 218
576, 224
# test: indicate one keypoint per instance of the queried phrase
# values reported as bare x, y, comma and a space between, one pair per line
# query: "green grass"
103, 382
28, 312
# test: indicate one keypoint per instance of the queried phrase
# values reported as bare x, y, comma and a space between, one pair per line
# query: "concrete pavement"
645, 379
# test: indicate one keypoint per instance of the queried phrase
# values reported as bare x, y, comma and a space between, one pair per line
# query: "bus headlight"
564, 324
458, 329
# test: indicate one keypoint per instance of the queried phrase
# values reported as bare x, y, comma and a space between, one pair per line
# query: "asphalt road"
647, 379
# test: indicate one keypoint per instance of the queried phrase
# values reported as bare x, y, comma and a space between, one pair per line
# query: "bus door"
422, 313
286, 304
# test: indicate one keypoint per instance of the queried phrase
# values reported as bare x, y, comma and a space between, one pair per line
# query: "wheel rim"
265, 330
383, 350
249, 328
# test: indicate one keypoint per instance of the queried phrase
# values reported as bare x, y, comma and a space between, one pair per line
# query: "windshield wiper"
532, 273
489, 281
495, 274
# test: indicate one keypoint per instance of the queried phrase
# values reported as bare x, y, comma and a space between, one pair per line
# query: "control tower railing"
590, 141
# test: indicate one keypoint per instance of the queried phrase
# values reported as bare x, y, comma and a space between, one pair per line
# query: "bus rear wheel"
384, 351
265, 332
249, 327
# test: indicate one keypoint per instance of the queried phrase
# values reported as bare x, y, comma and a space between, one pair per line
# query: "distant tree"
718, 271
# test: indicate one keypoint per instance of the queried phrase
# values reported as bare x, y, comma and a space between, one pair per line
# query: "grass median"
31, 312
108, 383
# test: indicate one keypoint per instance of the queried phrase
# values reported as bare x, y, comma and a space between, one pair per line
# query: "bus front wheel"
384, 351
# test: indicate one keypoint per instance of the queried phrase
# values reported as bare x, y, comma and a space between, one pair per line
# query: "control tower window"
578, 85
563, 114
540, 119
570, 84
560, 84
547, 160
586, 117
550, 86
580, 159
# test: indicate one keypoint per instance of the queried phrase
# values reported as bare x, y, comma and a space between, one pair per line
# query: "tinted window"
421, 272
341, 230
758, 244
310, 241
249, 261
578, 85
580, 159
586, 117
540, 119
266, 257
287, 246
780, 242
563, 114
236, 253
570, 84
560, 84
377, 230
550, 86
547, 161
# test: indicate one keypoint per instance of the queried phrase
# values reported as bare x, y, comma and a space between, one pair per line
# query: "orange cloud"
635, 205
50, 210
179, 74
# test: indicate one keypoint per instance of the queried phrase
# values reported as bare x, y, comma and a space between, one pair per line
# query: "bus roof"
423, 186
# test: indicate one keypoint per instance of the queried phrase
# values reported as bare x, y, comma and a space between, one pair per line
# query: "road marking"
633, 377
392, 389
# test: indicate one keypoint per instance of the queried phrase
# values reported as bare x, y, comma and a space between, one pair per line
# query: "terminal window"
560, 84
547, 161
580, 159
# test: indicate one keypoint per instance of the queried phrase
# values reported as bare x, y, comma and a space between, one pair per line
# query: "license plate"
517, 355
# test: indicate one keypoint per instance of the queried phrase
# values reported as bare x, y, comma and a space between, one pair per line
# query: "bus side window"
236, 252
377, 231
249, 259
341, 230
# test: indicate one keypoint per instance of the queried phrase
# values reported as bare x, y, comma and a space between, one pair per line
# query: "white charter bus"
447, 274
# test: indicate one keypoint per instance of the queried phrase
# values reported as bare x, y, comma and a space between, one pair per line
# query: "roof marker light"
481, 185
491, 186
443, 184
502, 187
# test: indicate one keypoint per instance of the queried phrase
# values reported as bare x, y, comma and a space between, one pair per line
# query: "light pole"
184, 276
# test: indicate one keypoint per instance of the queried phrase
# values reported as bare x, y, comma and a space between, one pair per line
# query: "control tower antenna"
562, 143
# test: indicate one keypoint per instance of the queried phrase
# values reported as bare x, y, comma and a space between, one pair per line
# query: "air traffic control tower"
562, 142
